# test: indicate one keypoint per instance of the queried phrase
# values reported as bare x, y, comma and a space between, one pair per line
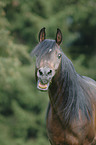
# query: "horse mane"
74, 91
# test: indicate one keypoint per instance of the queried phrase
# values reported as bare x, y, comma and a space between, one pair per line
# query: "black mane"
73, 89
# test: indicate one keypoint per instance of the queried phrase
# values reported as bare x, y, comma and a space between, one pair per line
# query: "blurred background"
22, 106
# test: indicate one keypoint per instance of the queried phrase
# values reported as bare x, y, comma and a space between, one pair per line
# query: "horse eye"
59, 55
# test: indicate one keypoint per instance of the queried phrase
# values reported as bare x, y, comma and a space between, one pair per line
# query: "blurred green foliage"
22, 106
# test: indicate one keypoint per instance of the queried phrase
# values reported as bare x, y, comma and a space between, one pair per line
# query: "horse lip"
42, 87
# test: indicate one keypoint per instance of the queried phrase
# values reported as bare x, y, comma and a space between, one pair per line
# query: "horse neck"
62, 91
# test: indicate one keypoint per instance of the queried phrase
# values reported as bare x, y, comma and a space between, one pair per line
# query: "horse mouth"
41, 86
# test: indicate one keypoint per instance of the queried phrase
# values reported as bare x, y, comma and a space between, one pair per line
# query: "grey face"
46, 68
48, 55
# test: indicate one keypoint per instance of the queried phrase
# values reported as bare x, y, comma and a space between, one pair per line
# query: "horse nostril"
50, 72
40, 72
44, 72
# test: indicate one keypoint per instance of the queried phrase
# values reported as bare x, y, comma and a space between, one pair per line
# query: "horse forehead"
46, 62
48, 56
51, 53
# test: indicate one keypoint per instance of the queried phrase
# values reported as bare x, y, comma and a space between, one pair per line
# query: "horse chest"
59, 135
56, 133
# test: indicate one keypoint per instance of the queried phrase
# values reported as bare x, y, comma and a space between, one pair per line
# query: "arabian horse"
71, 113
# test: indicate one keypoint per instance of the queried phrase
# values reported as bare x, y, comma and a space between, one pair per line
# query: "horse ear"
42, 34
58, 36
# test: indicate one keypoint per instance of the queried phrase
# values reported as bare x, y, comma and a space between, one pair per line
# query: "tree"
20, 112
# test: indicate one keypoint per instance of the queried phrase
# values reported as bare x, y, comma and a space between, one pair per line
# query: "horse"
71, 113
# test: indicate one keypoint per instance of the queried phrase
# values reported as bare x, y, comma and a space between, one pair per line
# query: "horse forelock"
43, 48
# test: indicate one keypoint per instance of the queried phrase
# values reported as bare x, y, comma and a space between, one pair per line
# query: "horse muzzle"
44, 76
